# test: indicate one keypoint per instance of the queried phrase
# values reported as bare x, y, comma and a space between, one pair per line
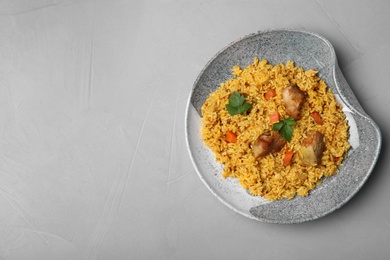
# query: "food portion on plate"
278, 129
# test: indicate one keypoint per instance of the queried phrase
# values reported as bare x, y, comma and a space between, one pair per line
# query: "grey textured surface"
93, 158
310, 51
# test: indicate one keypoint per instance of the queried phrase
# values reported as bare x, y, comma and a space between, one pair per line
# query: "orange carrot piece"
275, 117
230, 137
270, 93
317, 118
288, 157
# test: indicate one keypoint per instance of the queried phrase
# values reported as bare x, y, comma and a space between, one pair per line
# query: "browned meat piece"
277, 143
312, 148
293, 99
262, 145
268, 143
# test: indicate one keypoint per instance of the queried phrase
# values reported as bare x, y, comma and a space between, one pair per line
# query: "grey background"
93, 161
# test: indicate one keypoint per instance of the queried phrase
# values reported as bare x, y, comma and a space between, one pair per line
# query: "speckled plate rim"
279, 214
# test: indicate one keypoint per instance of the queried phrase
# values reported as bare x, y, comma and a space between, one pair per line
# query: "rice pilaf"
269, 176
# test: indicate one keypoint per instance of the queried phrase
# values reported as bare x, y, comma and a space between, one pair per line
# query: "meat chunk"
277, 143
293, 99
262, 145
312, 148
268, 143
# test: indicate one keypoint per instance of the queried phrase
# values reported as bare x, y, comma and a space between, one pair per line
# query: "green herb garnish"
285, 128
237, 104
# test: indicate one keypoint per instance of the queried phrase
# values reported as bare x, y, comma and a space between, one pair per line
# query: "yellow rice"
269, 177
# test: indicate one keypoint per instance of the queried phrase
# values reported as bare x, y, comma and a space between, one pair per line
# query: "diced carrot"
275, 117
287, 157
270, 93
230, 137
317, 118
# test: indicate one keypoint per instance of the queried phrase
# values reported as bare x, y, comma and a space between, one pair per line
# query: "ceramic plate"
310, 51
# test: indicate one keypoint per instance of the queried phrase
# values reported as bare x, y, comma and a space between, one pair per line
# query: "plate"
310, 51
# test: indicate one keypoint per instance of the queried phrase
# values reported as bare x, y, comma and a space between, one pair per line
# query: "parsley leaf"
237, 104
278, 126
285, 128
290, 121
